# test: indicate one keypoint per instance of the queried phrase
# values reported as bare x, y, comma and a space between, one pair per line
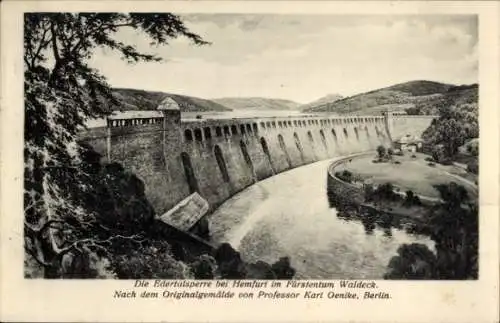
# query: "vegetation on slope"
256, 103
131, 99
329, 98
415, 97
457, 127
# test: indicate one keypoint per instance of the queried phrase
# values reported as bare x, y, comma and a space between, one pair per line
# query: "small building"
394, 112
168, 104
409, 143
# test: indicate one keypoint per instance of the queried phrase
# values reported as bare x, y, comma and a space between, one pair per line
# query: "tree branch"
85, 36
43, 44
55, 49
97, 243
35, 256
32, 205
27, 63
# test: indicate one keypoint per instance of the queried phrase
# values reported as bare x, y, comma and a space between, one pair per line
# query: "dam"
217, 158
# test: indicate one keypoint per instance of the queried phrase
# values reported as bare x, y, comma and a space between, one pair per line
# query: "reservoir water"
289, 215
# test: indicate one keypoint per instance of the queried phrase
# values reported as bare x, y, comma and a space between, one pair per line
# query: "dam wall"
413, 125
219, 157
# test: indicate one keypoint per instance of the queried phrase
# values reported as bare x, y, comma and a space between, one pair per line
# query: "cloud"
304, 57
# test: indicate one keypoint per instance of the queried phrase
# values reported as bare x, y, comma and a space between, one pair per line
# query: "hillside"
131, 99
415, 97
330, 98
256, 103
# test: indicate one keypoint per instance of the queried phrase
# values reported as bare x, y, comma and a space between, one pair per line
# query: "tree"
390, 152
454, 225
345, 175
204, 267
381, 151
473, 167
385, 192
414, 261
438, 153
61, 92
151, 261
413, 110
411, 199
283, 269
368, 192
229, 262
456, 124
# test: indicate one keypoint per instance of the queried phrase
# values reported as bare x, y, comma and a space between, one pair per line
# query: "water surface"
289, 215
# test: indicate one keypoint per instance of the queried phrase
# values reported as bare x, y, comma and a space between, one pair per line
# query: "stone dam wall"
219, 157
343, 193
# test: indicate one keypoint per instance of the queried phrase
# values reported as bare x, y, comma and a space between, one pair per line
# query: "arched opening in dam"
299, 146
197, 135
283, 148
311, 142
247, 158
323, 139
188, 135
265, 148
311, 139
189, 173
334, 135
208, 133
221, 163
218, 131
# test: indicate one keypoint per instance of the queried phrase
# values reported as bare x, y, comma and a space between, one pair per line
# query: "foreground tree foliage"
414, 261
62, 212
455, 126
83, 218
453, 226
231, 266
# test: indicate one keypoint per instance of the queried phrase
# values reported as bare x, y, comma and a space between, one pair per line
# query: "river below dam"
289, 215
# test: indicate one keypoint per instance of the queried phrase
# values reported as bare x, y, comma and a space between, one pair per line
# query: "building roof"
168, 104
136, 114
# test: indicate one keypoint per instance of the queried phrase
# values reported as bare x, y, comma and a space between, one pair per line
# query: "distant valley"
257, 103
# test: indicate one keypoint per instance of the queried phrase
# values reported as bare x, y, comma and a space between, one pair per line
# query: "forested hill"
329, 98
257, 103
131, 99
415, 97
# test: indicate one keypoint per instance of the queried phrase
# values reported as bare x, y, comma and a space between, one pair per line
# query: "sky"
301, 57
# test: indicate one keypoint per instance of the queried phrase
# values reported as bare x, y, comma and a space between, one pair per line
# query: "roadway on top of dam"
216, 115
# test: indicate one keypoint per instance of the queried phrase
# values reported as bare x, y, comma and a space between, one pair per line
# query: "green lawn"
411, 174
